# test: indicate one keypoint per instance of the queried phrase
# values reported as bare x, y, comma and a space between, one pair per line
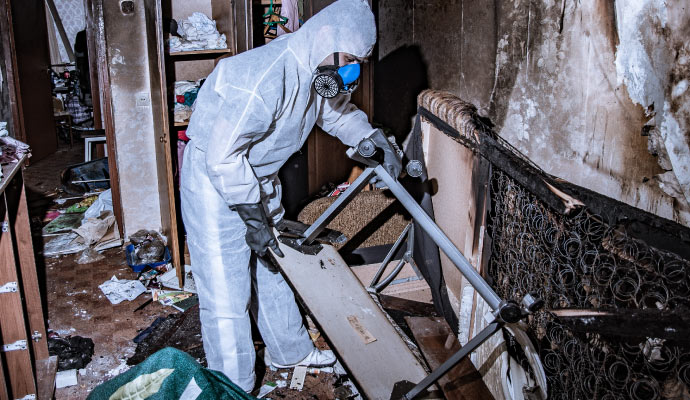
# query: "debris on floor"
73, 352
117, 290
87, 224
179, 330
86, 177
66, 378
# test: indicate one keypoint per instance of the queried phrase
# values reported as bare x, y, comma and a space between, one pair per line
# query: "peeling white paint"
644, 60
680, 88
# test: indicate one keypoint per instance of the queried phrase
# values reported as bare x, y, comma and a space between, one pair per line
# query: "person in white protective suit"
254, 111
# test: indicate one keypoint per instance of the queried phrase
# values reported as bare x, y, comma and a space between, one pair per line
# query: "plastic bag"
89, 255
148, 246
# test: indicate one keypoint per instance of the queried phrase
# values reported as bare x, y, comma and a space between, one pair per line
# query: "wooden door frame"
9, 53
96, 37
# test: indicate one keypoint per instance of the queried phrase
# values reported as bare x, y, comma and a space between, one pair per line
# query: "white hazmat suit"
254, 111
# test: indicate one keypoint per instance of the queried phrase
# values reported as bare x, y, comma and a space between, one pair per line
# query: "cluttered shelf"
210, 52
181, 124
9, 171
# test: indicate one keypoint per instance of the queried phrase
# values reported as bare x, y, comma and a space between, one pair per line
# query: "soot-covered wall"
595, 92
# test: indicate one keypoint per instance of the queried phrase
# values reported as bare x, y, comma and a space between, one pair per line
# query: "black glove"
259, 235
392, 157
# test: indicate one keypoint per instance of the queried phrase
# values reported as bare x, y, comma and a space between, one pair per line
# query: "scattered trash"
316, 371
104, 202
284, 375
346, 391
63, 244
66, 378
91, 231
147, 249
176, 298
313, 331
73, 352
63, 223
169, 280
298, 375
281, 383
180, 330
88, 256
267, 388
339, 189
86, 177
118, 291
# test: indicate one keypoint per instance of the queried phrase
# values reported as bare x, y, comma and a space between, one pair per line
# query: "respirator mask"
333, 79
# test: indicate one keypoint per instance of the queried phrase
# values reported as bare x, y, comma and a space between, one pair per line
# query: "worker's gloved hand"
392, 156
259, 235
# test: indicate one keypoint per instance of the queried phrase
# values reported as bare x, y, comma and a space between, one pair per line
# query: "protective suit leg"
223, 266
277, 315
273, 303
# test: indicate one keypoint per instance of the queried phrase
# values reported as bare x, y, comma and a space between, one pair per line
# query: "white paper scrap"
267, 388
66, 378
298, 375
118, 291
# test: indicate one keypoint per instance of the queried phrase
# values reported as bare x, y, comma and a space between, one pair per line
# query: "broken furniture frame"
407, 235
504, 311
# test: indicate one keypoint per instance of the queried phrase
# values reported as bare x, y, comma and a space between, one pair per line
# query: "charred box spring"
604, 256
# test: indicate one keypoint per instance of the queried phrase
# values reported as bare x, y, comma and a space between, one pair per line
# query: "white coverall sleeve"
240, 121
342, 119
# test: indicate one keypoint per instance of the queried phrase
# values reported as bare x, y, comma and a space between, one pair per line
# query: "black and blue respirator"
331, 80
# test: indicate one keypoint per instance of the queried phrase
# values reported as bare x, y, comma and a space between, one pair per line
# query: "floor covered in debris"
77, 307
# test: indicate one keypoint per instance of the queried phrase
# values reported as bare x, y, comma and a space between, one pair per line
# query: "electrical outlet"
143, 99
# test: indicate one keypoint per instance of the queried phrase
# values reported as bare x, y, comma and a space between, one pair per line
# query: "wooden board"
332, 293
21, 230
45, 373
12, 327
437, 343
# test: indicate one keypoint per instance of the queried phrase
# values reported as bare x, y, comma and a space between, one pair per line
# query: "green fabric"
165, 375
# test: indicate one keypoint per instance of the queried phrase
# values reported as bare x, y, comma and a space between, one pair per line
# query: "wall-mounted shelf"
185, 123
201, 53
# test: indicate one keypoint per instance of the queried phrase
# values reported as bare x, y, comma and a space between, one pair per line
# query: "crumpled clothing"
79, 112
198, 32
185, 97
182, 112
12, 149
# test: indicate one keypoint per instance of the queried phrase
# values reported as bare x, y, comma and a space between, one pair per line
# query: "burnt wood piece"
656, 231
409, 307
437, 342
673, 325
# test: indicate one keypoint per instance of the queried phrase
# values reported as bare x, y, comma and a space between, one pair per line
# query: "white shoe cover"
317, 358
